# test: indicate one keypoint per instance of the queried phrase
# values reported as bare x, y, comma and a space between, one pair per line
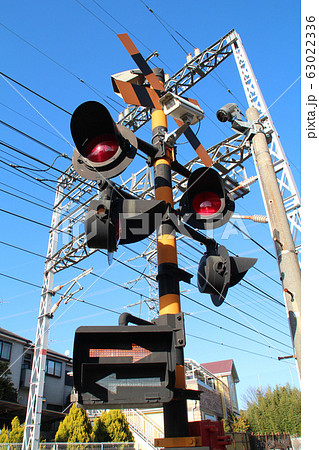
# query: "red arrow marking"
136, 353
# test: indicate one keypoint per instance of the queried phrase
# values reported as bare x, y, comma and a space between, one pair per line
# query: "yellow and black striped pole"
175, 412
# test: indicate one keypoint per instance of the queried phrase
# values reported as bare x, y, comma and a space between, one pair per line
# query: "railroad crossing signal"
119, 218
103, 149
126, 366
217, 271
206, 204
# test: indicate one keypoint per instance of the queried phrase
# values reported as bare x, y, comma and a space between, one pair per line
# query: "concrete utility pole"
288, 263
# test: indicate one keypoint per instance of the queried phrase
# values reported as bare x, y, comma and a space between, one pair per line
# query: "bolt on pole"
289, 268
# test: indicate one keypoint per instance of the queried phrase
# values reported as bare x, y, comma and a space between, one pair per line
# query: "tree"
240, 424
251, 395
16, 433
4, 435
275, 411
117, 426
17, 430
236, 424
7, 390
99, 431
112, 426
75, 427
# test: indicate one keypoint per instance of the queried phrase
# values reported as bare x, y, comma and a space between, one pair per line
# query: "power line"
40, 287
61, 172
253, 240
96, 91
22, 249
250, 328
259, 289
20, 280
34, 140
74, 267
27, 219
27, 178
35, 93
229, 318
33, 122
231, 346
23, 153
250, 315
262, 292
26, 200
162, 21
230, 331
118, 313
27, 175
144, 296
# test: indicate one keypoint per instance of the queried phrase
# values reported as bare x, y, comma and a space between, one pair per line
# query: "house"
217, 383
18, 352
226, 372
218, 400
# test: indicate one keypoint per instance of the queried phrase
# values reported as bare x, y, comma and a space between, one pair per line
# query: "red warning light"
206, 203
102, 148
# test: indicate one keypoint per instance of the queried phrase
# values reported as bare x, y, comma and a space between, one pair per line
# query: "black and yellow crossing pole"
175, 412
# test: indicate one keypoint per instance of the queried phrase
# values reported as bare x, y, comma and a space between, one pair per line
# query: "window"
5, 350
27, 361
54, 368
210, 417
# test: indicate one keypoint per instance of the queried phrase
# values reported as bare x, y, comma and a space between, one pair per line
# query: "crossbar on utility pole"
289, 268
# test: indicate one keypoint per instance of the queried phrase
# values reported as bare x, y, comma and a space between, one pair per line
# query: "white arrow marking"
111, 383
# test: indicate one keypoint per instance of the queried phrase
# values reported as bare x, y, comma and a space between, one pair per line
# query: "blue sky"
66, 53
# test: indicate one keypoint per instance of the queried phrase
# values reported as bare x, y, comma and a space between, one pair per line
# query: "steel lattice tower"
73, 195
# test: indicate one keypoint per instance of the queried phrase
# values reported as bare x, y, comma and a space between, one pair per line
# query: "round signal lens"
206, 203
102, 148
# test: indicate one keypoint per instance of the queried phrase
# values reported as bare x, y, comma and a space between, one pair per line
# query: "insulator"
249, 181
189, 57
259, 218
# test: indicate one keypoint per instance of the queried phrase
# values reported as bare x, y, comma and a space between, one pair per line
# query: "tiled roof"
14, 336
11, 335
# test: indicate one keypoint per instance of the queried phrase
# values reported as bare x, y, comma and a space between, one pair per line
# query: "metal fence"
77, 446
249, 441
270, 441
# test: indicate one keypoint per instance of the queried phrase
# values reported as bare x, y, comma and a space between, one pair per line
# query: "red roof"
219, 367
226, 367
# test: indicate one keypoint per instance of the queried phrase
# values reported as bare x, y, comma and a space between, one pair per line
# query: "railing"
143, 426
77, 446
270, 441
139, 423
